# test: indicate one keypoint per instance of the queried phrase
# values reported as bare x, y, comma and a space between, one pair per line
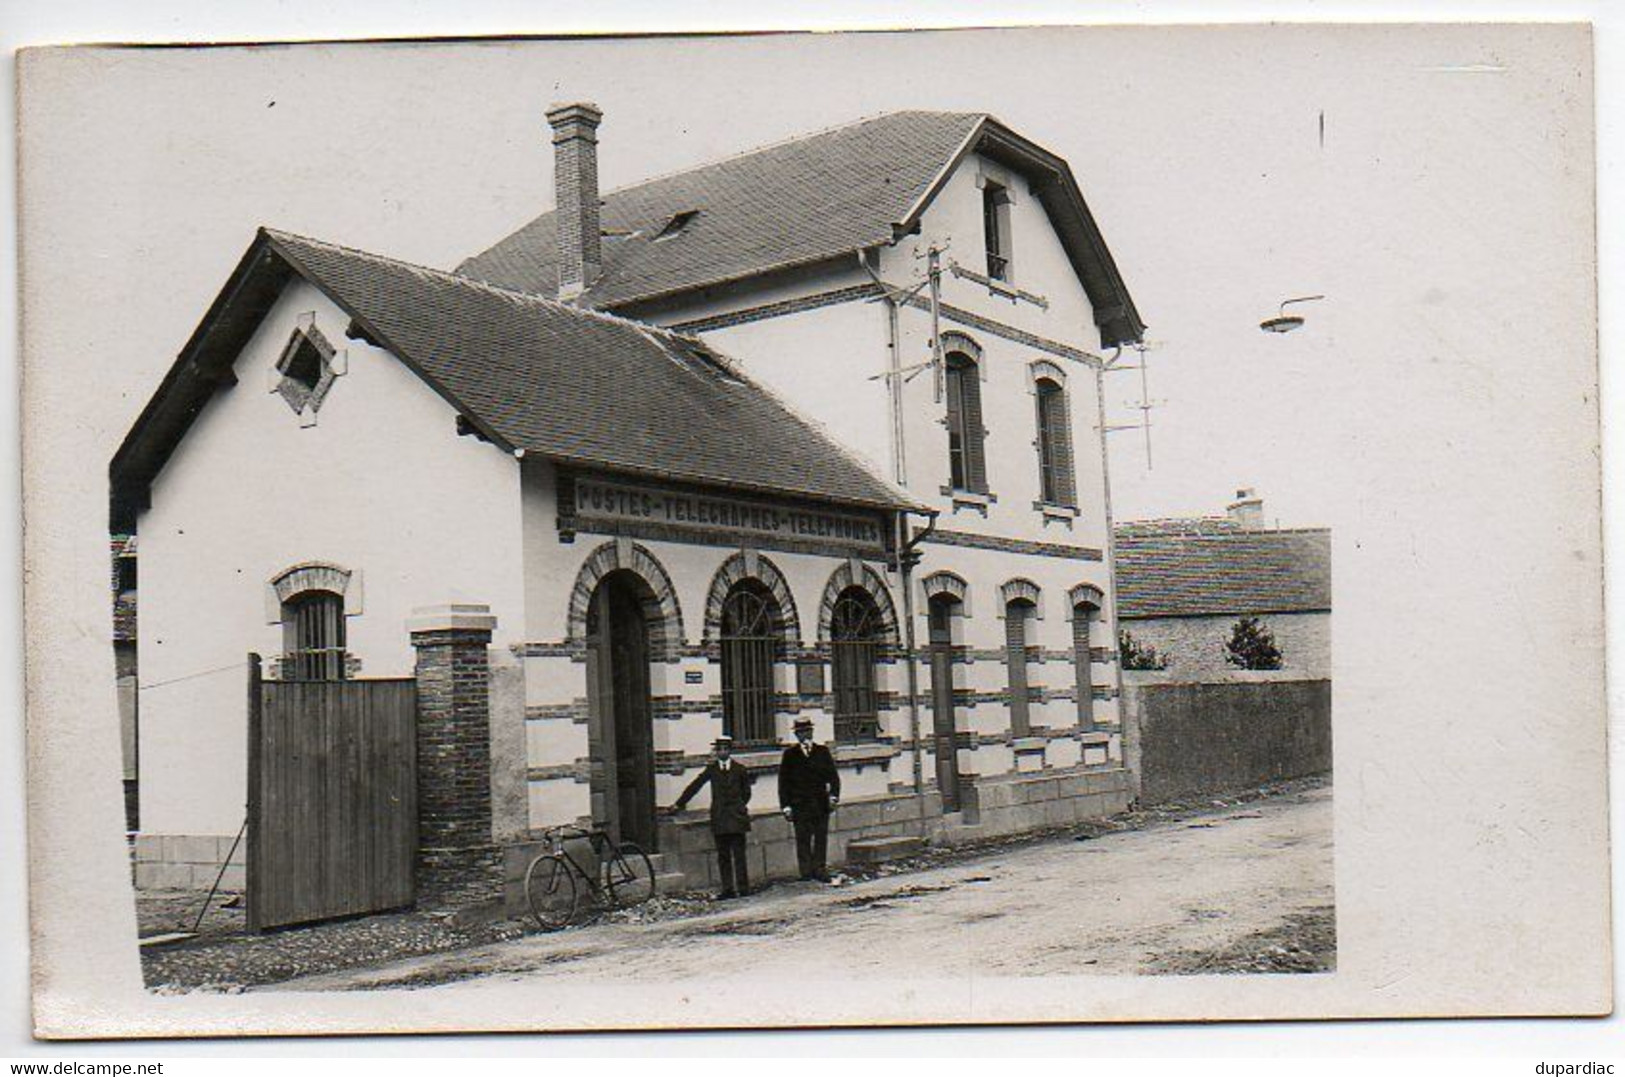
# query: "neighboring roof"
527, 373
122, 547
124, 618
1212, 567
807, 200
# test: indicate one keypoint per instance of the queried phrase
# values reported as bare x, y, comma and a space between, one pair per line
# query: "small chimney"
575, 193
1247, 510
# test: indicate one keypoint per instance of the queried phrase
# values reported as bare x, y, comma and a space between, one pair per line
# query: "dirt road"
1202, 893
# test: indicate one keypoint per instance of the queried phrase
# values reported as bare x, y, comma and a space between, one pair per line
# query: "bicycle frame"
597, 839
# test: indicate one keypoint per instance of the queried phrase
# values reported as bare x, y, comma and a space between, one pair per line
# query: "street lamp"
1284, 322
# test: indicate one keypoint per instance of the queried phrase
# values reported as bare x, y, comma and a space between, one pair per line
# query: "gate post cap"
452, 617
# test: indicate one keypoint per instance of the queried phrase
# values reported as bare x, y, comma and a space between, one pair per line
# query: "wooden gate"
332, 798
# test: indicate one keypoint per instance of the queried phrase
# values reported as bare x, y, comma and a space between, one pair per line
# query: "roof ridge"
1233, 538
480, 285
788, 140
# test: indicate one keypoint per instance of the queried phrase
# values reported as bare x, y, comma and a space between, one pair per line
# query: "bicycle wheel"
630, 876
550, 888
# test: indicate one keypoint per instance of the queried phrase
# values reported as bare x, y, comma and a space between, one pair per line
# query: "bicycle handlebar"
571, 830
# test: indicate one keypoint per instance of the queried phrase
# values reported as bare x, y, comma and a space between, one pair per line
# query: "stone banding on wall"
971, 540
1021, 590
871, 581
1085, 594
946, 583
955, 342
750, 565
661, 609
296, 580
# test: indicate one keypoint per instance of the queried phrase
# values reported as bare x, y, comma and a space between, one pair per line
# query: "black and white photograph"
841, 529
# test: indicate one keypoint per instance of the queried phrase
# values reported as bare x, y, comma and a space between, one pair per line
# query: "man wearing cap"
809, 789
730, 814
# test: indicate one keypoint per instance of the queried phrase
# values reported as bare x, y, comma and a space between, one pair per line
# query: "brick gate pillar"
457, 861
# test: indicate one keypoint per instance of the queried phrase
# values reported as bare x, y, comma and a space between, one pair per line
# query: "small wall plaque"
810, 678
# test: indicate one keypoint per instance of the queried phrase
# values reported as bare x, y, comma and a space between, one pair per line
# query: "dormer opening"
675, 226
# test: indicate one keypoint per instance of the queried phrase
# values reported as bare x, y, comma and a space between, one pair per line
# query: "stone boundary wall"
189, 862
1193, 739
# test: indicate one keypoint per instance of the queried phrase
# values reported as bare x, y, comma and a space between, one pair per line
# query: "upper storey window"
996, 229
967, 464
1054, 445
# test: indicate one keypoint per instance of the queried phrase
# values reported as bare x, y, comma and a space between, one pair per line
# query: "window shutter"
1060, 429
1081, 662
971, 407
1015, 636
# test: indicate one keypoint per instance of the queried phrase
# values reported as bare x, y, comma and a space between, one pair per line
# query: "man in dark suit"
730, 814
809, 789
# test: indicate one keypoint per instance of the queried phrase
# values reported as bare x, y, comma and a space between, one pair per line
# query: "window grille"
854, 646
314, 634
967, 464
750, 647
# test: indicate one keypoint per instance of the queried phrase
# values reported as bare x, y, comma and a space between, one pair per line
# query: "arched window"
1017, 613
1054, 445
854, 634
1083, 617
313, 636
967, 465
750, 645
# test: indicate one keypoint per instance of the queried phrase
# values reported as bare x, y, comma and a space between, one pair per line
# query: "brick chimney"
1247, 510
575, 193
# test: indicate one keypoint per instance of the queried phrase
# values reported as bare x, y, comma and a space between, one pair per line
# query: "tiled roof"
1177, 525
583, 387
809, 199
1215, 567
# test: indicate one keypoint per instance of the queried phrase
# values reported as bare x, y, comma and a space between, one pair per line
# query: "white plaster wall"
821, 363
381, 485
811, 281
1040, 266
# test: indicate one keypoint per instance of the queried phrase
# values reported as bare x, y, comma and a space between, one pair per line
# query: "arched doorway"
620, 730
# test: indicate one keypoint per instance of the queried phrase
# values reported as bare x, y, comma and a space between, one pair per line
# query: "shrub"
1252, 646
1137, 655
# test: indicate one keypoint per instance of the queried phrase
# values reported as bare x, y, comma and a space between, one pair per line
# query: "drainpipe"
906, 557
1130, 759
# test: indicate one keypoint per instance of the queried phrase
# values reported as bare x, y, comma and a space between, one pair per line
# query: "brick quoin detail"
457, 862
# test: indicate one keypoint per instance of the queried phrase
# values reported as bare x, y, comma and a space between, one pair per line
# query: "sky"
1229, 169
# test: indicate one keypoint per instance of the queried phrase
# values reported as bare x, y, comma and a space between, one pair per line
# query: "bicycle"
626, 876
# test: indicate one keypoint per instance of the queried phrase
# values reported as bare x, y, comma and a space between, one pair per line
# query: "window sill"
1095, 736
998, 287
969, 500
863, 752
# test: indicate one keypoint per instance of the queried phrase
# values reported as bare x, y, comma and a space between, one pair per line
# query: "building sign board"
627, 507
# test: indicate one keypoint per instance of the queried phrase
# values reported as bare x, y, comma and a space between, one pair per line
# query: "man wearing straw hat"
809, 789
730, 815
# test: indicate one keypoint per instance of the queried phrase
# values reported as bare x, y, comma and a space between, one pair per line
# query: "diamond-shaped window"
307, 371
